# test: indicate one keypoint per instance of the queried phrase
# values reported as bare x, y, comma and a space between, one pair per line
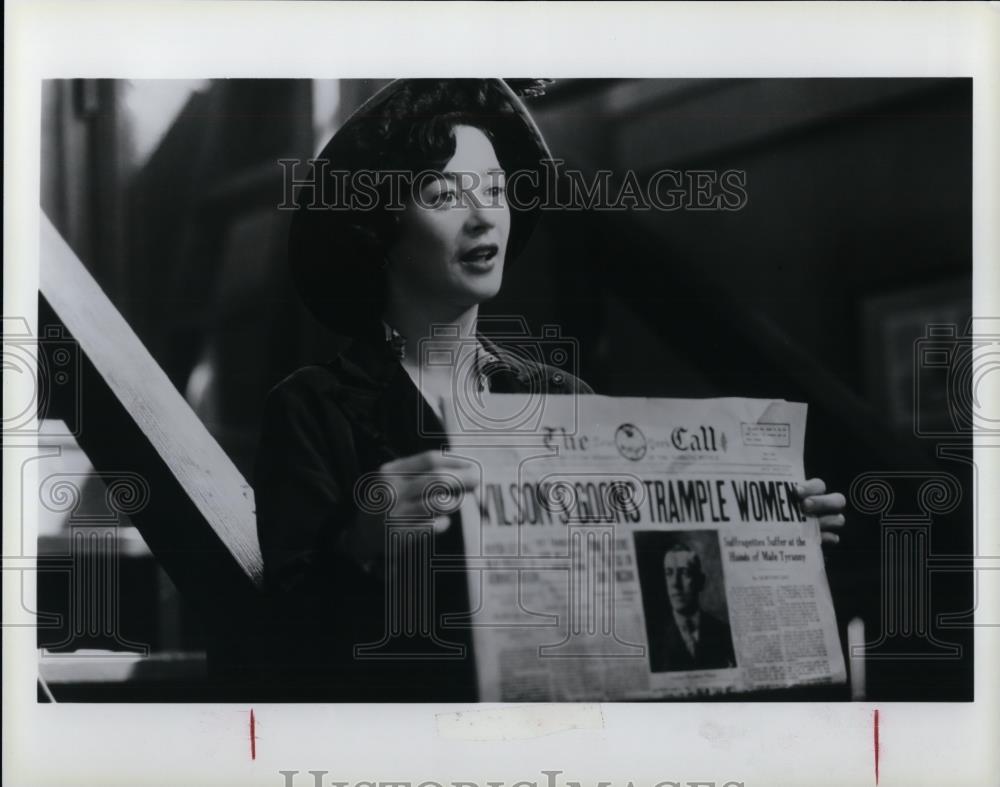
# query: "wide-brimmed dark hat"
336, 254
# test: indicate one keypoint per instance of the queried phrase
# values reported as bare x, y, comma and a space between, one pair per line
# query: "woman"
423, 246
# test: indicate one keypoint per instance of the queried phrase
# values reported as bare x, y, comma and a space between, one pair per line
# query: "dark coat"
324, 427
668, 653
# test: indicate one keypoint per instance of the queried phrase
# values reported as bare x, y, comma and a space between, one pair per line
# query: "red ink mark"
253, 736
876, 745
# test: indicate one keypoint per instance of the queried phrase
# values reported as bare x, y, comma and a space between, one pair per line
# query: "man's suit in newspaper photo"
630, 549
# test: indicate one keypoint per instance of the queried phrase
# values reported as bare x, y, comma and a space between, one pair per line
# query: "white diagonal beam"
202, 469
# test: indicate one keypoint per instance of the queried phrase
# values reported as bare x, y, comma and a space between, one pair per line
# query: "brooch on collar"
396, 342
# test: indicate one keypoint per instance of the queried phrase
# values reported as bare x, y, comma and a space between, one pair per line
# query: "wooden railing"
200, 521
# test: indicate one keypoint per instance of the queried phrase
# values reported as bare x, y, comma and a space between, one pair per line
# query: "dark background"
855, 237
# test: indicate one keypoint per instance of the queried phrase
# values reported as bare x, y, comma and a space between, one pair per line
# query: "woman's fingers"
425, 509
427, 488
818, 505
831, 522
815, 501
814, 486
419, 486
827, 507
430, 495
430, 475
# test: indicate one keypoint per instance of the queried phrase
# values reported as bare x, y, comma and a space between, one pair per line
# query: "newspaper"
635, 549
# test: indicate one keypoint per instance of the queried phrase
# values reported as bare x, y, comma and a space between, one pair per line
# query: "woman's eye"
445, 199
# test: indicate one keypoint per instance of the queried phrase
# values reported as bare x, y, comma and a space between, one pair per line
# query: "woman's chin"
474, 298
479, 288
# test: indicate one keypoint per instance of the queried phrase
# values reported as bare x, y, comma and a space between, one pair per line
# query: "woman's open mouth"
480, 255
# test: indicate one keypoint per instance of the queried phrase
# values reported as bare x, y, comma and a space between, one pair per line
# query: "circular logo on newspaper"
630, 441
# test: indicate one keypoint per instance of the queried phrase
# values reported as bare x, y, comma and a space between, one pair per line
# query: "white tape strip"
517, 722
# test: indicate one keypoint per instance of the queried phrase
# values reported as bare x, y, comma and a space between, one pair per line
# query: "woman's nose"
480, 218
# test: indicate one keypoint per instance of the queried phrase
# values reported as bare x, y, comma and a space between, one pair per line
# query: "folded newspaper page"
633, 549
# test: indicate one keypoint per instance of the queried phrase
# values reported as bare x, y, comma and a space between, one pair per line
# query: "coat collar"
373, 363
378, 395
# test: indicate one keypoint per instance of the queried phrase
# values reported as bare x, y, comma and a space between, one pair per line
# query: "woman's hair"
411, 133
338, 252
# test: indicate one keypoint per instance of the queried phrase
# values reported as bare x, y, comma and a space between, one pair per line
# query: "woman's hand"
416, 490
828, 507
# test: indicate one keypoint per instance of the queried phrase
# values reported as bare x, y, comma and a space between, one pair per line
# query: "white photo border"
756, 744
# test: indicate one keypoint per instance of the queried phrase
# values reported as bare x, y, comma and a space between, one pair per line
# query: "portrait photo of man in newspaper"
690, 636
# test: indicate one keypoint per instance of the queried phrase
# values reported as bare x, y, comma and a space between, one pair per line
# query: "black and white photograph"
691, 631
265, 323
252, 279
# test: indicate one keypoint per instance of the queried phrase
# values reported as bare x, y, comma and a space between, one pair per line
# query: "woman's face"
451, 248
